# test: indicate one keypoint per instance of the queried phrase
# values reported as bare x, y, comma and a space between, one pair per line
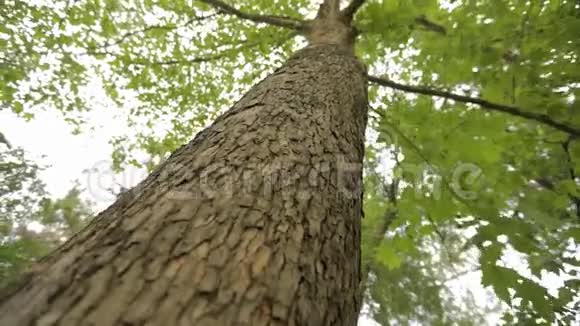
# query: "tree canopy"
475, 102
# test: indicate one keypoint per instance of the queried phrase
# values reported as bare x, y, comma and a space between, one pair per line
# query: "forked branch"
329, 8
512, 110
286, 22
351, 9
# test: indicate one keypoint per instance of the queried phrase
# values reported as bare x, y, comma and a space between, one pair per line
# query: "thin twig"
207, 58
186, 61
460, 274
144, 30
512, 110
422, 156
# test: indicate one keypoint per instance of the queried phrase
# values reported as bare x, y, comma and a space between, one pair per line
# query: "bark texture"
254, 222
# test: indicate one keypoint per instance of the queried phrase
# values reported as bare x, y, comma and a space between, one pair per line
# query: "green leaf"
501, 279
388, 256
107, 26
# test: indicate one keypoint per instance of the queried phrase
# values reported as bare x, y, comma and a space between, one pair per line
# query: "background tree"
492, 146
31, 223
409, 274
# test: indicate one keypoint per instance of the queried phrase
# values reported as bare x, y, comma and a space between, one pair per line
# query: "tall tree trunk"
254, 222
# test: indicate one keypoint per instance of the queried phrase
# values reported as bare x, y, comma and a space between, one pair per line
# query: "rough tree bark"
255, 222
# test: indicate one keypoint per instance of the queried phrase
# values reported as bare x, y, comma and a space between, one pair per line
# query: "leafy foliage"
31, 223
410, 270
511, 181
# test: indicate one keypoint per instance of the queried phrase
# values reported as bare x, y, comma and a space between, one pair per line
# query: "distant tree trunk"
254, 222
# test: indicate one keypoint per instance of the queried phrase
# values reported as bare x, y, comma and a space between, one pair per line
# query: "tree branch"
286, 22
460, 274
512, 110
211, 57
186, 61
351, 9
144, 30
430, 26
385, 222
566, 148
5, 141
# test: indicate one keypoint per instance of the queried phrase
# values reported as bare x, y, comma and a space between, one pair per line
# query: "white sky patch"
35, 226
72, 157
